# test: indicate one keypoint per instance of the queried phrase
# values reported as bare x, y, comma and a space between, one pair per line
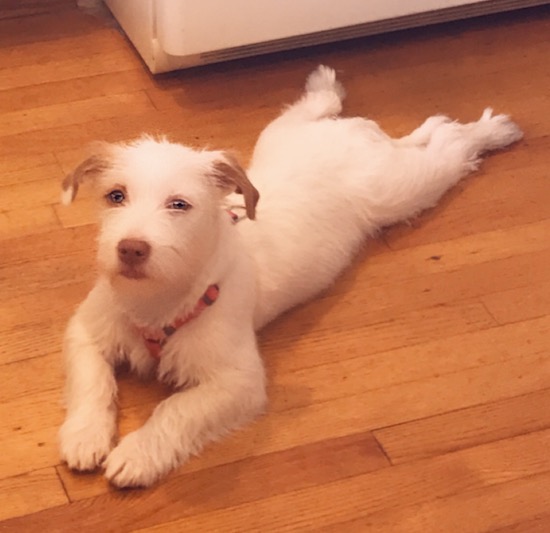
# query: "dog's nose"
133, 252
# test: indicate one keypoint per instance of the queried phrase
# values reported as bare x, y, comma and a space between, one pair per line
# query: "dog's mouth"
132, 273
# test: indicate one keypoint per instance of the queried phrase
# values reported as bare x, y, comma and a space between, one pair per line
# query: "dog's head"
162, 207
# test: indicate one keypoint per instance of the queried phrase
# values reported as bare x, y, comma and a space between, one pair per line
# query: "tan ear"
231, 176
91, 168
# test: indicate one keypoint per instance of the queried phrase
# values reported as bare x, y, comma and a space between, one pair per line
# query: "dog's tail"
323, 96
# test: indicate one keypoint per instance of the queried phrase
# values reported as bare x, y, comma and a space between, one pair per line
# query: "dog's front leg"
183, 423
86, 436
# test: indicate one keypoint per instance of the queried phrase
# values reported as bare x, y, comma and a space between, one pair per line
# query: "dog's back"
327, 182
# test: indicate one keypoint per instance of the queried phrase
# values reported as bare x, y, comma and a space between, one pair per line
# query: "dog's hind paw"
497, 131
84, 444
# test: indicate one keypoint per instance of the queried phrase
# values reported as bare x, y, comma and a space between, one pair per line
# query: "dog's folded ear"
91, 168
231, 177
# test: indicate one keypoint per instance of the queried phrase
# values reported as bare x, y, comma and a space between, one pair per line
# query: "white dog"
182, 288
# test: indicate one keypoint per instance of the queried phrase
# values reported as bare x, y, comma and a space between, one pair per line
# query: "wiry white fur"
325, 183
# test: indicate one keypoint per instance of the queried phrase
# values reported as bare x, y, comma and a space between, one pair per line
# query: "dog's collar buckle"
157, 338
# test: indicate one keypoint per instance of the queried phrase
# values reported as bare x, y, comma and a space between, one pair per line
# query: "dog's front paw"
86, 441
132, 463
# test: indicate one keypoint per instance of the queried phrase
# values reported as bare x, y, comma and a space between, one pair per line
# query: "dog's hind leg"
422, 135
417, 176
322, 98
467, 142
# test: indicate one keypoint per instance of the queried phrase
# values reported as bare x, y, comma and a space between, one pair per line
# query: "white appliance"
174, 34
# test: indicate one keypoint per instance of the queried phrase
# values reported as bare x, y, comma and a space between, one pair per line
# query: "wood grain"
466, 427
475, 510
29, 493
537, 524
391, 488
518, 304
410, 396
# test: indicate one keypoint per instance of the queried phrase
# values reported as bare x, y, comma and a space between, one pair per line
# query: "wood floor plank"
30, 493
70, 285
101, 41
26, 451
24, 221
45, 27
32, 327
231, 484
26, 8
386, 369
359, 413
519, 304
362, 306
29, 439
404, 485
326, 502
476, 248
48, 273
475, 511
70, 68
537, 524
29, 436
35, 412
293, 388
392, 405
84, 212
389, 330
29, 175
35, 247
465, 428
20, 378
407, 401
76, 112
251, 479
32, 340
497, 207
61, 92
480, 347
178, 124
26, 162
44, 191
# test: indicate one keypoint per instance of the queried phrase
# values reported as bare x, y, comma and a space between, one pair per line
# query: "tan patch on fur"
90, 168
231, 175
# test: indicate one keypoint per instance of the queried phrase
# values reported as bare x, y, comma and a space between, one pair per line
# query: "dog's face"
162, 205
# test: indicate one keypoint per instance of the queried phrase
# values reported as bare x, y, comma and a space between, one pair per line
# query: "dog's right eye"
115, 197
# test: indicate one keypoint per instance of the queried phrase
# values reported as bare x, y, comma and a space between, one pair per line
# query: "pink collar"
155, 339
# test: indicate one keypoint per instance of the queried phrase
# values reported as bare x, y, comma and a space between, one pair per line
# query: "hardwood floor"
413, 396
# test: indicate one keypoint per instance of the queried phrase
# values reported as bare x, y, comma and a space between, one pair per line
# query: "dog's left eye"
178, 204
116, 196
